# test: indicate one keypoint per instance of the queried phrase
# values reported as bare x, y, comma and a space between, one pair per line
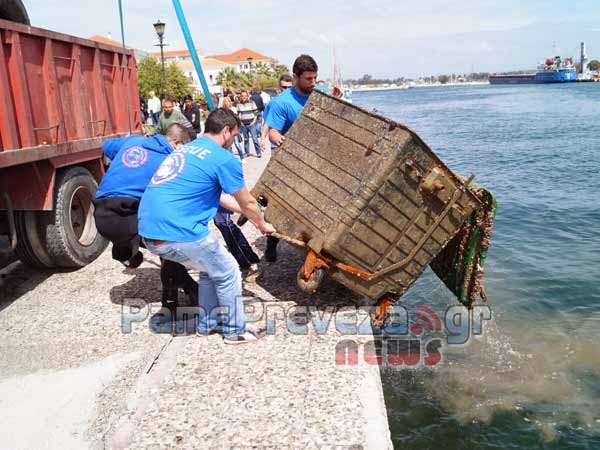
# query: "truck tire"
72, 239
31, 240
13, 10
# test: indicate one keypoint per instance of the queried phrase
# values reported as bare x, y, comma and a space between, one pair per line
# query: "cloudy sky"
384, 38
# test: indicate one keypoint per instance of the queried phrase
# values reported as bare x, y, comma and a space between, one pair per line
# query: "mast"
583, 61
334, 76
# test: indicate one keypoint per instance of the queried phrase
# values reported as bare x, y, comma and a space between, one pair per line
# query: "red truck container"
60, 97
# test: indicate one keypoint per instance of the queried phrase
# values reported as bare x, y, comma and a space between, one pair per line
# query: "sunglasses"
284, 87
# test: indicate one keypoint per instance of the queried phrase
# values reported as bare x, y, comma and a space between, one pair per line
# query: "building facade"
241, 60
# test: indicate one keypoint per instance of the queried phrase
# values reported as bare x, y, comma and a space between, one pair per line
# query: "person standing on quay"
192, 113
171, 115
154, 107
248, 112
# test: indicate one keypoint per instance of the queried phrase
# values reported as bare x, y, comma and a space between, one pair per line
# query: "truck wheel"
13, 10
31, 241
71, 236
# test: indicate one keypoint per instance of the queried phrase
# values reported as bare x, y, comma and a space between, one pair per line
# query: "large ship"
553, 70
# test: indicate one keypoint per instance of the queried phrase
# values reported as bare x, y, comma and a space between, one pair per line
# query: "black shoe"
271, 252
135, 261
191, 292
169, 297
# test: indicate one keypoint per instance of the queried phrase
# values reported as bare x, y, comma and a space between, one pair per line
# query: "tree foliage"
149, 73
281, 69
178, 85
443, 79
594, 64
261, 76
149, 76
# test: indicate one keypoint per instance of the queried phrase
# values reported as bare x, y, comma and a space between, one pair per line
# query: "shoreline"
399, 88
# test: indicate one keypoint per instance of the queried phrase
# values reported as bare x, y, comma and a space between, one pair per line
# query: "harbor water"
532, 379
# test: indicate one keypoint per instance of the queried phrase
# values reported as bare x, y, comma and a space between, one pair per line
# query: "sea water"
532, 379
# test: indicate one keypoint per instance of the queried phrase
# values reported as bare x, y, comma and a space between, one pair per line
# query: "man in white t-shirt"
154, 107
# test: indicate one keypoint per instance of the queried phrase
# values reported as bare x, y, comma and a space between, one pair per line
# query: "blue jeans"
250, 130
219, 286
155, 116
237, 143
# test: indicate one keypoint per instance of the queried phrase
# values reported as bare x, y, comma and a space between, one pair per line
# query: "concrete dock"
73, 377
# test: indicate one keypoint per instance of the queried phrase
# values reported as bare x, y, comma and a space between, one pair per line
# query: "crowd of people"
248, 105
162, 191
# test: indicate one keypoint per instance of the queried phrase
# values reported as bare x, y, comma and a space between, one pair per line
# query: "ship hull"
512, 79
541, 77
555, 76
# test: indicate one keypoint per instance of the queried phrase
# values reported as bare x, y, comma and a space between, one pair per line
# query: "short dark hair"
188, 97
286, 77
177, 132
304, 63
221, 118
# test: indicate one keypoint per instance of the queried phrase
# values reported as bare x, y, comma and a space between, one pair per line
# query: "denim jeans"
247, 131
219, 286
237, 143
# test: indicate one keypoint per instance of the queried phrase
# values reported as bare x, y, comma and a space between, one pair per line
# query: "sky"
383, 38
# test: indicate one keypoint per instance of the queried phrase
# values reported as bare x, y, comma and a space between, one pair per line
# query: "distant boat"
553, 70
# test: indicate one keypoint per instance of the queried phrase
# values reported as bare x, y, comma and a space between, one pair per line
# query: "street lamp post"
159, 27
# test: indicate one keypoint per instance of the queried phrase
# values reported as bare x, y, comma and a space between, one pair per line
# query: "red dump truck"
60, 97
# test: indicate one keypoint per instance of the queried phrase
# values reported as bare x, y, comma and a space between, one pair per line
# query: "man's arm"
111, 147
255, 109
276, 119
160, 125
264, 131
249, 207
276, 137
228, 202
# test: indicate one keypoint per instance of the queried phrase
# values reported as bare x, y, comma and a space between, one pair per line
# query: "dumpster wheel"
381, 311
313, 282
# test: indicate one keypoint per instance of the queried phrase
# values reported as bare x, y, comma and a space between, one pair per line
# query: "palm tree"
228, 78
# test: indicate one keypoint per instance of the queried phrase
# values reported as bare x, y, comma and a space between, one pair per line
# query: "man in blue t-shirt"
284, 110
176, 208
134, 159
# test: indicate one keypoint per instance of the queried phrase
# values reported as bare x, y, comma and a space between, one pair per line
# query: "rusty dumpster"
371, 204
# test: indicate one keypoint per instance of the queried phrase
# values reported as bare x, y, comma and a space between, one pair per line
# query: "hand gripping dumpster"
372, 205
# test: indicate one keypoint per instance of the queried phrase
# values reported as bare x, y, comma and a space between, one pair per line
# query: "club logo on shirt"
170, 168
135, 157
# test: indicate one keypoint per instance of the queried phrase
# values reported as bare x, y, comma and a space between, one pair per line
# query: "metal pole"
192, 49
164, 74
126, 68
